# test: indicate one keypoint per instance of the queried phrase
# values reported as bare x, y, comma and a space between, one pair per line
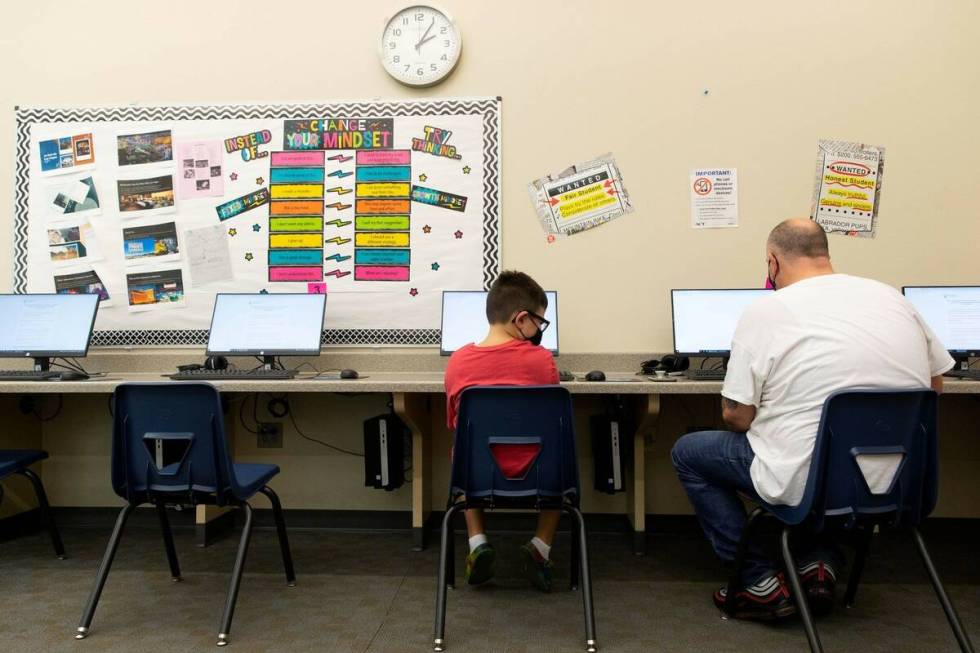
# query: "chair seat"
14, 460
252, 476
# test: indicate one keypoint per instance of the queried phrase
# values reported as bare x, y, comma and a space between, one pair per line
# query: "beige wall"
577, 79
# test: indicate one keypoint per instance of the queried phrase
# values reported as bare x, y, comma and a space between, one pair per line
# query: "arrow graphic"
553, 201
338, 206
339, 157
340, 258
336, 273
340, 190
340, 174
338, 222
338, 240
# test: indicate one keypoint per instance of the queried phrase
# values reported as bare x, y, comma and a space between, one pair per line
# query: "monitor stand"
268, 362
962, 362
42, 363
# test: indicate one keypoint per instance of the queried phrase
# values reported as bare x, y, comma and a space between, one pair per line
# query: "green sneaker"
536, 569
479, 564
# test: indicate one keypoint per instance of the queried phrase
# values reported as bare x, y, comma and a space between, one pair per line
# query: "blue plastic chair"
18, 461
539, 417
169, 446
856, 424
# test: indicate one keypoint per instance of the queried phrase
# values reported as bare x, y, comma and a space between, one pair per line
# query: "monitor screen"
46, 325
274, 324
952, 312
464, 319
704, 320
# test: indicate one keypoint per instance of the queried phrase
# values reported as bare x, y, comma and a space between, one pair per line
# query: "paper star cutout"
458, 234
466, 170
263, 292
426, 229
256, 227
232, 231
422, 177
233, 176
259, 181
435, 266
413, 292
551, 238
248, 256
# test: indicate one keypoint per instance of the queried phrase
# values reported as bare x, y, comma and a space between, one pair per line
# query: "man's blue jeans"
713, 467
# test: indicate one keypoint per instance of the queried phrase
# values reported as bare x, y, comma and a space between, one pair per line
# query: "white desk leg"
647, 414
413, 409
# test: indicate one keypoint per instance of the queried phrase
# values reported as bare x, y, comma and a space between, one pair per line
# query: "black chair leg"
860, 556
573, 572
168, 542
100, 576
287, 557
799, 595
451, 557
438, 641
236, 577
735, 580
46, 516
583, 553
954, 620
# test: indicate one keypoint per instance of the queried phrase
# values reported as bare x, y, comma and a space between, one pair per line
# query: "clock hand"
422, 39
421, 43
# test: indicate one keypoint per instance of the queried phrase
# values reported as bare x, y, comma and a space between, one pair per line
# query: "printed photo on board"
150, 194
149, 147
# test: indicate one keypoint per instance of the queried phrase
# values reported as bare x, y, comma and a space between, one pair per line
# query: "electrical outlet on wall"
270, 435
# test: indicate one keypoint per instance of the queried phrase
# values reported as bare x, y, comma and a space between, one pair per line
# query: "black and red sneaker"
819, 579
767, 600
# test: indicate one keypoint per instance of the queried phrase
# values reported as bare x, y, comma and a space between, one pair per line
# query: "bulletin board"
381, 205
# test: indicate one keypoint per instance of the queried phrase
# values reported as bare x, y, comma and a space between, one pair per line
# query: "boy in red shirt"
510, 355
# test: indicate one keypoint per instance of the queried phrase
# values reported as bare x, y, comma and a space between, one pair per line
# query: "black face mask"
536, 338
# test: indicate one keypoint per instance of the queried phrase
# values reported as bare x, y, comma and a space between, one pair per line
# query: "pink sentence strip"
310, 273
384, 157
313, 158
380, 273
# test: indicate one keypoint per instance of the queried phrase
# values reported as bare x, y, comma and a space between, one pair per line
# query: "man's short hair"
513, 291
799, 238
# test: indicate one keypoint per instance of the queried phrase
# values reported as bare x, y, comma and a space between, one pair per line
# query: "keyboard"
706, 375
970, 375
28, 375
228, 375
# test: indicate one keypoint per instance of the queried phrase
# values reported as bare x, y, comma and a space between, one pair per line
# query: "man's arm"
937, 384
737, 417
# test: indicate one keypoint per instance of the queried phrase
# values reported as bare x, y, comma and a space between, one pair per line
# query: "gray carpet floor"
370, 592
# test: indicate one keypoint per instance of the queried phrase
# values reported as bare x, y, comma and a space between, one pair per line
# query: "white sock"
477, 540
543, 549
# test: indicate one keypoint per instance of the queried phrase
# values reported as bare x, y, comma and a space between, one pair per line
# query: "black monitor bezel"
956, 353
55, 353
264, 352
714, 353
442, 315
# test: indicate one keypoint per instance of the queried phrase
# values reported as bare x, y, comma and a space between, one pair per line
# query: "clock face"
420, 46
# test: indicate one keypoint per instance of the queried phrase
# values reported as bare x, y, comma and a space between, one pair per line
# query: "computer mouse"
349, 374
72, 376
595, 375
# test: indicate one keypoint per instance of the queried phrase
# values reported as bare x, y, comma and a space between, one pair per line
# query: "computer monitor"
43, 327
704, 320
953, 313
464, 320
266, 325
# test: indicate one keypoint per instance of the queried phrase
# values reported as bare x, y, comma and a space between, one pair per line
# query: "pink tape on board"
384, 157
381, 273
311, 273
312, 158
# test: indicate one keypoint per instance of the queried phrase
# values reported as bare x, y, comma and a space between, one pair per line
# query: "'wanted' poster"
847, 187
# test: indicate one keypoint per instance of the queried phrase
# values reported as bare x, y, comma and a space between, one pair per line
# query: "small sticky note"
316, 288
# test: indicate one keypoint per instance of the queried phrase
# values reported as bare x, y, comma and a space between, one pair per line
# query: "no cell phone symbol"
702, 185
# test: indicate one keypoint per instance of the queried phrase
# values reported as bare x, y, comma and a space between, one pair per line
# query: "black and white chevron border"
489, 108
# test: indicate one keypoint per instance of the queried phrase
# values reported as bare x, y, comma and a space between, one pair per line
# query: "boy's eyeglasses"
543, 324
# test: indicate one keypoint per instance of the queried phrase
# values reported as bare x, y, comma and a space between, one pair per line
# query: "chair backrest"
169, 438
516, 444
874, 459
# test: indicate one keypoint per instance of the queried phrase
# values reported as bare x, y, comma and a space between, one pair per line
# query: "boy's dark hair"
513, 291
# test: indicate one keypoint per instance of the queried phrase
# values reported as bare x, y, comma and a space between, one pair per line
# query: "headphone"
675, 363
216, 363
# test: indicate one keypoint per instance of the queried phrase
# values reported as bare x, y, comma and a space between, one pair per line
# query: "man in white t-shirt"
818, 333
